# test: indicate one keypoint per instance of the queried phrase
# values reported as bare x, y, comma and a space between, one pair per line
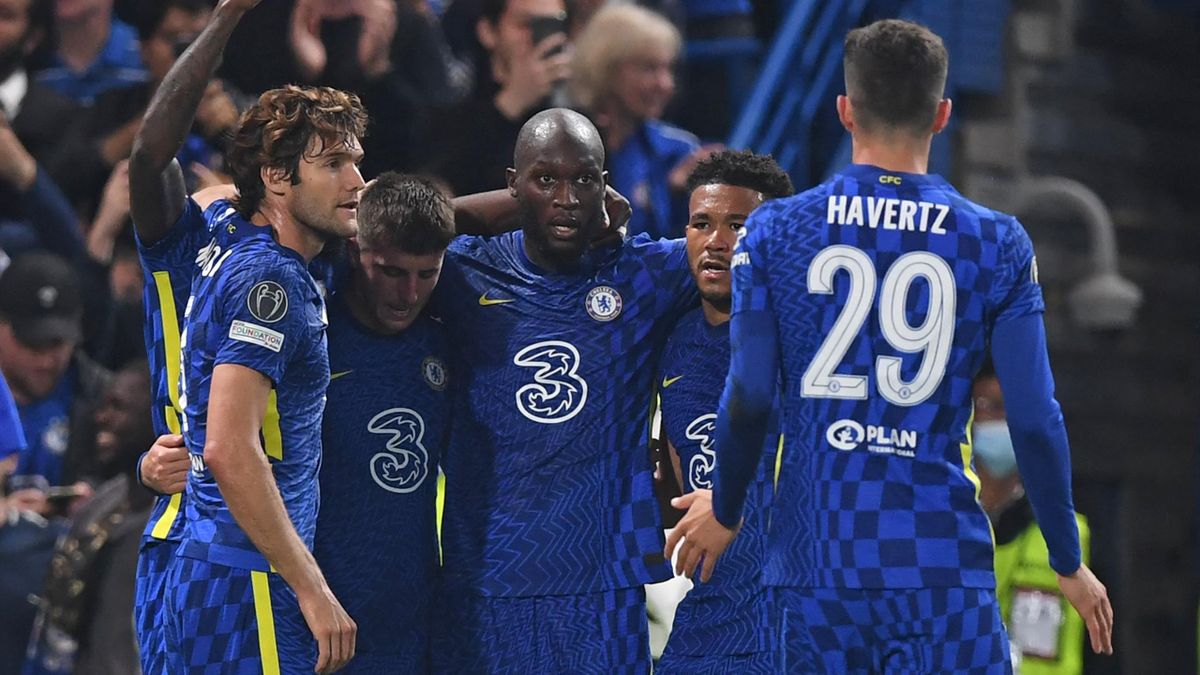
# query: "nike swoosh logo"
335, 376
485, 301
668, 381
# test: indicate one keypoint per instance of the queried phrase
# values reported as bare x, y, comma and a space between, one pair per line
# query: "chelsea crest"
603, 303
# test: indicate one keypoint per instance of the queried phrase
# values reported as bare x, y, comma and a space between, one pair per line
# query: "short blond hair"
615, 34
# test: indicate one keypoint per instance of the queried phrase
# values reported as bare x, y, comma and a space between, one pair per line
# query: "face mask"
993, 449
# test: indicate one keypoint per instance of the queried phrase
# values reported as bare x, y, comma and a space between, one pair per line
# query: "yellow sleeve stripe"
163, 527
171, 355
965, 448
170, 329
268, 651
272, 436
778, 460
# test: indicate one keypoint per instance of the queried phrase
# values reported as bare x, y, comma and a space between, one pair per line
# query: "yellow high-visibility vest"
1046, 628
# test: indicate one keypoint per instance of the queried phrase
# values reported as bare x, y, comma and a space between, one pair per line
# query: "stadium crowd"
480, 105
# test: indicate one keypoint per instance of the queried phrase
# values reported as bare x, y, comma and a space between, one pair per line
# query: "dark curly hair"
742, 168
405, 211
276, 132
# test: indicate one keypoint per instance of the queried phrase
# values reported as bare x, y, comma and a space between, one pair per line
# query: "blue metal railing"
790, 112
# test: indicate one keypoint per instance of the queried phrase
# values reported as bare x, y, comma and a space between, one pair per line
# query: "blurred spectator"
26, 545
624, 80
95, 51
476, 140
26, 541
393, 55
55, 386
104, 135
37, 113
33, 211
1045, 631
87, 623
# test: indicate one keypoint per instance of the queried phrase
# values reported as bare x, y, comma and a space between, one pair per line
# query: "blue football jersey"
549, 488
884, 288
254, 304
385, 424
729, 613
168, 267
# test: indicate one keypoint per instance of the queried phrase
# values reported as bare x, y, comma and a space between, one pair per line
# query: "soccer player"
551, 524
877, 295
385, 425
244, 583
722, 625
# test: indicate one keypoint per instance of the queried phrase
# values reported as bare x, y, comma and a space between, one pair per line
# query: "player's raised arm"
156, 186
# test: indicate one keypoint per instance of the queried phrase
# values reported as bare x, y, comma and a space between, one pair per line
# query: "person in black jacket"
474, 144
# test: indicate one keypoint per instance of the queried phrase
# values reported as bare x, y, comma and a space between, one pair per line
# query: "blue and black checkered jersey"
168, 267
386, 421
884, 288
728, 614
549, 487
254, 304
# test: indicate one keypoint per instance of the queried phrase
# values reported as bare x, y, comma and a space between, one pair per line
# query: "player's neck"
288, 232
895, 152
714, 315
547, 263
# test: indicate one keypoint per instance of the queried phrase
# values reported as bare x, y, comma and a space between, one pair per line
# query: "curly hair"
742, 168
406, 211
276, 132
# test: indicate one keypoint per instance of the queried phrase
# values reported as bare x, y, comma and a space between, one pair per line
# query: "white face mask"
993, 449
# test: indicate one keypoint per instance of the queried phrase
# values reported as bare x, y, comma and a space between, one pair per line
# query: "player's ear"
274, 179
510, 174
845, 112
942, 117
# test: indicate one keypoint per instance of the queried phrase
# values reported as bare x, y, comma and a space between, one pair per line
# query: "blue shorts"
928, 630
149, 615
225, 620
761, 663
603, 633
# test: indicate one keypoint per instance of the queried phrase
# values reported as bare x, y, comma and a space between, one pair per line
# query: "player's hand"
1089, 597
165, 466
304, 37
532, 74
704, 538
333, 629
616, 216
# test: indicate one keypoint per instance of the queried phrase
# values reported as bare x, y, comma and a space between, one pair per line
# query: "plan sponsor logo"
847, 435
